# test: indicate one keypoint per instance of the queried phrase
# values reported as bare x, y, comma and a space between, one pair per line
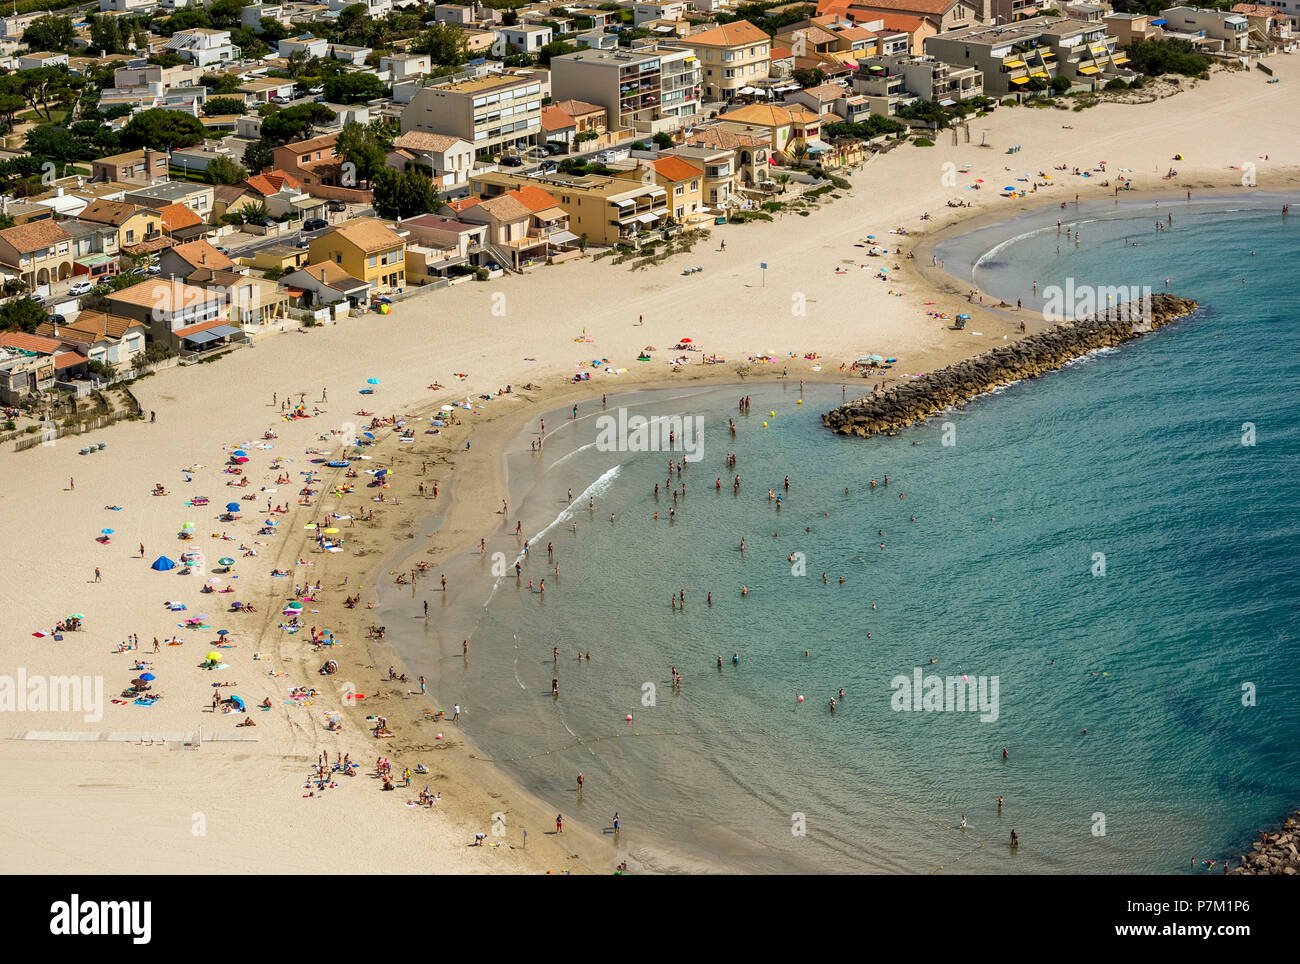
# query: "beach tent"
237, 701
162, 564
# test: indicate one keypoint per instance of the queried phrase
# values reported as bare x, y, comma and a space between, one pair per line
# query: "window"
373, 260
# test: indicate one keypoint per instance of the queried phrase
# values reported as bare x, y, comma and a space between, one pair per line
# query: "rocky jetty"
1278, 853
1029, 357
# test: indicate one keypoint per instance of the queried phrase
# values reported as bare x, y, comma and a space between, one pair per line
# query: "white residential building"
203, 46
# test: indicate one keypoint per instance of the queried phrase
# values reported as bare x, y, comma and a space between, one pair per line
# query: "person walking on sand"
444, 585
426, 609
455, 713
421, 685
98, 576
559, 823
72, 484
464, 647
579, 784
142, 550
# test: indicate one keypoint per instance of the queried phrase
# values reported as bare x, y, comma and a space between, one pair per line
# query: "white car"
80, 288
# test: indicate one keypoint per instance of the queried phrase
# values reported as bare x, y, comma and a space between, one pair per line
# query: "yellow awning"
1013, 63
1121, 59
1089, 70
1020, 80
1043, 74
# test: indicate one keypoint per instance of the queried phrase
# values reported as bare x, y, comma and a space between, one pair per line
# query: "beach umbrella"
372, 381
223, 632
238, 452
214, 657
162, 564
147, 677
272, 523
876, 357
446, 408
684, 341
139, 684
237, 701
226, 562
294, 605
368, 434
188, 525
331, 531
106, 532
967, 317
242, 459
232, 506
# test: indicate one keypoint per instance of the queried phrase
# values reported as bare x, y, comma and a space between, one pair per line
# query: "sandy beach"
84, 793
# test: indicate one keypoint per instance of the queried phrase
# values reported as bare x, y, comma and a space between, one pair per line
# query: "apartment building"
946, 14
922, 77
197, 197
683, 181
719, 166
375, 9
497, 113
1129, 28
604, 210
144, 166
202, 46
1231, 28
525, 38
446, 159
732, 56
650, 89
183, 317
1040, 49
39, 252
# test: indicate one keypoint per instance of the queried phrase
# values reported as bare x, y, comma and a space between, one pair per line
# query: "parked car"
57, 319
337, 205
280, 99
617, 154
80, 288
138, 271
316, 90
315, 224
224, 250
536, 153
153, 269
556, 148
512, 162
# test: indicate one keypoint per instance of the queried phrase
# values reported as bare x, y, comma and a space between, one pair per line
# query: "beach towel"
39, 635
145, 702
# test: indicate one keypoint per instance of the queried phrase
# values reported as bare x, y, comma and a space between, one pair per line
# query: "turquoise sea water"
1135, 454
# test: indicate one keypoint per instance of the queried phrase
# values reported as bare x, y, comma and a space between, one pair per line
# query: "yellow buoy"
773, 414
800, 402
765, 425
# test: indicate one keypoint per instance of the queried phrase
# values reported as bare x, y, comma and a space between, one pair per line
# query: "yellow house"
732, 56
683, 181
366, 248
138, 228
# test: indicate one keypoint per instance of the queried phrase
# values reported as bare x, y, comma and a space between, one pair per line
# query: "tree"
663, 140
259, 155
556, 48
272, 30
405, 194
52, 142
351, 17
22, 314
222, 170
191, 18
220, 83
362, 147
49, 33
224, 105
294, 124
1167, 55
163, 130
353, 88
1061, 84
225, 14
255, 213
806, 77
445, 43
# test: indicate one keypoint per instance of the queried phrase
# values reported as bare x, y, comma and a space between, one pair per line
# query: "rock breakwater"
1039, 353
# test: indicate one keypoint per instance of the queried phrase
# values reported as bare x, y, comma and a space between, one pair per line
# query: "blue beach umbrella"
148, 677
238, 702
240, 453
232, 506
105, 532
372, 381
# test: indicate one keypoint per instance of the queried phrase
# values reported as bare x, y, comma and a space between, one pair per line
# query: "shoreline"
473, 478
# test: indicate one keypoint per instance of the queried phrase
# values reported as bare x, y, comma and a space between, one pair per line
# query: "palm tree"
800, 152
783, 179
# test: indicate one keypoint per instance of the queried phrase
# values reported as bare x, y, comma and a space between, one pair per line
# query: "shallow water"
1134, 454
